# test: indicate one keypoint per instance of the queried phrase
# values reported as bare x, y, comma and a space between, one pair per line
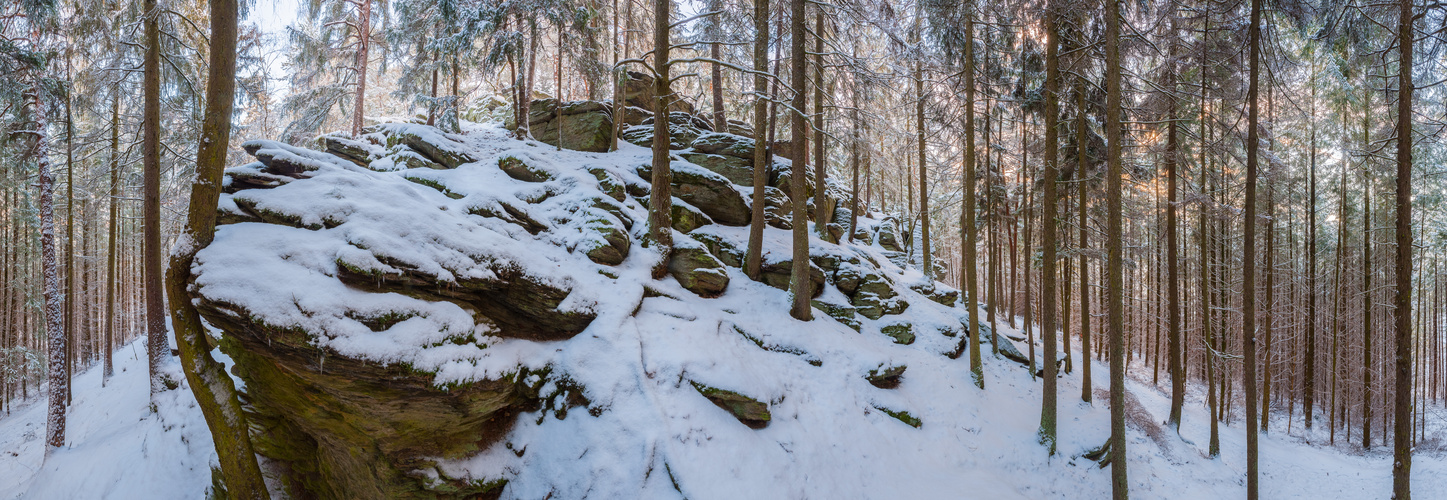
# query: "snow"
647, 432
116, 447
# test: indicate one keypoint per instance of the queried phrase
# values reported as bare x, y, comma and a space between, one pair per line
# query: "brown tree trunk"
1173, 278
800, 289
1114, 256
1048, 219
151, 161
1248, 254
207, 377
364, 40
967, 217
753, 258
660, 199
1081, 165
1402, 449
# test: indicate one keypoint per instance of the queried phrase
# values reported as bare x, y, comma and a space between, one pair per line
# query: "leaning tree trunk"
207, 377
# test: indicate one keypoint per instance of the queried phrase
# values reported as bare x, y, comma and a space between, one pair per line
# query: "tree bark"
151, 162
1402, 432
799, 285
1114, 255
1248, 253
207, 377
1048, 219
364, 39
660, 199
1173, 278
753, 257
967, 217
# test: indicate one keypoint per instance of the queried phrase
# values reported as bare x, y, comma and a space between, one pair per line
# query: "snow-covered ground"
117, 448
646, 431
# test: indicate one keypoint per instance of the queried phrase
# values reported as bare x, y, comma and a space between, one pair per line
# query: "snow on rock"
483, 323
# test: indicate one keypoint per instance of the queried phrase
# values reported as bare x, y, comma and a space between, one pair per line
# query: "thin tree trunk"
1308, 391
720, 122
753, 258
364, 40
1173, 291
1081, 165
55, 333
823, 205
967, 217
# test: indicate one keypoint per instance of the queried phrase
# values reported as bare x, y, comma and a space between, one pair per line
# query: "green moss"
747, 410
902, 416
903, 333
434, 185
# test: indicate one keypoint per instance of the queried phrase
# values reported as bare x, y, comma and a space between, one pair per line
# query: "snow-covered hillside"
661, 393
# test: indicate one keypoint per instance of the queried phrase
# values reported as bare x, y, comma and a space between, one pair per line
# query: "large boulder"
430, 142
728, 155
638, 91
583, 126
711, 193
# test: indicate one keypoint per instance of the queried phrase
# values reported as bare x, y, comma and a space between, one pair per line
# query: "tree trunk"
1401, 432
151, 159
1081, 165
1048, 219
55, 333
753, 258
660, 199
1114, 258
364, 39
1173, 292
823, 206
1248, 253
207, 377
114, 234
967, 217
720, 122
1308, 391
926, 263
799, 285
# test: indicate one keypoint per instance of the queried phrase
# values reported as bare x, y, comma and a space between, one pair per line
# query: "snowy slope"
646, 432
116, 448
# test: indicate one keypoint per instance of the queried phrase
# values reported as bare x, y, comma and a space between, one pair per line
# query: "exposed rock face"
465, 252
638, 92
711, 193
584, 125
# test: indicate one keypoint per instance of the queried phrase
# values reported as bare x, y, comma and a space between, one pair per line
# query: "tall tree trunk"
55, 334
660, 199
1173, 291
800, 290
753, 258
1048, 219
1248, 253
1366, 280
854, 151
823, 205
70, 295
1308, 391
113, 234
364, 40
1081, 165
1401, 432
151, 159
720, 122
967, 217
207, 377
1114, 255
927, 265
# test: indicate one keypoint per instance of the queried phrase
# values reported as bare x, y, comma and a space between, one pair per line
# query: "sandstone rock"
886, 377
736, 170
903, 332
840, 312
748, 411
638, 91
722, 248
686, 218
709, 192
434, 146
359, 152
518, 169
697, 270
777, 275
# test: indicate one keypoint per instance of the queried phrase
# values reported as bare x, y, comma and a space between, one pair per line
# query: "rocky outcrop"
709, 192
747, 410
583, 125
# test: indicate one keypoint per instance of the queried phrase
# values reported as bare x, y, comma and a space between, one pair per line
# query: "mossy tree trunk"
208, 379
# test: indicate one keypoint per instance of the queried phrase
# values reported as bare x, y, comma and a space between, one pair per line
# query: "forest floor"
118, 448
